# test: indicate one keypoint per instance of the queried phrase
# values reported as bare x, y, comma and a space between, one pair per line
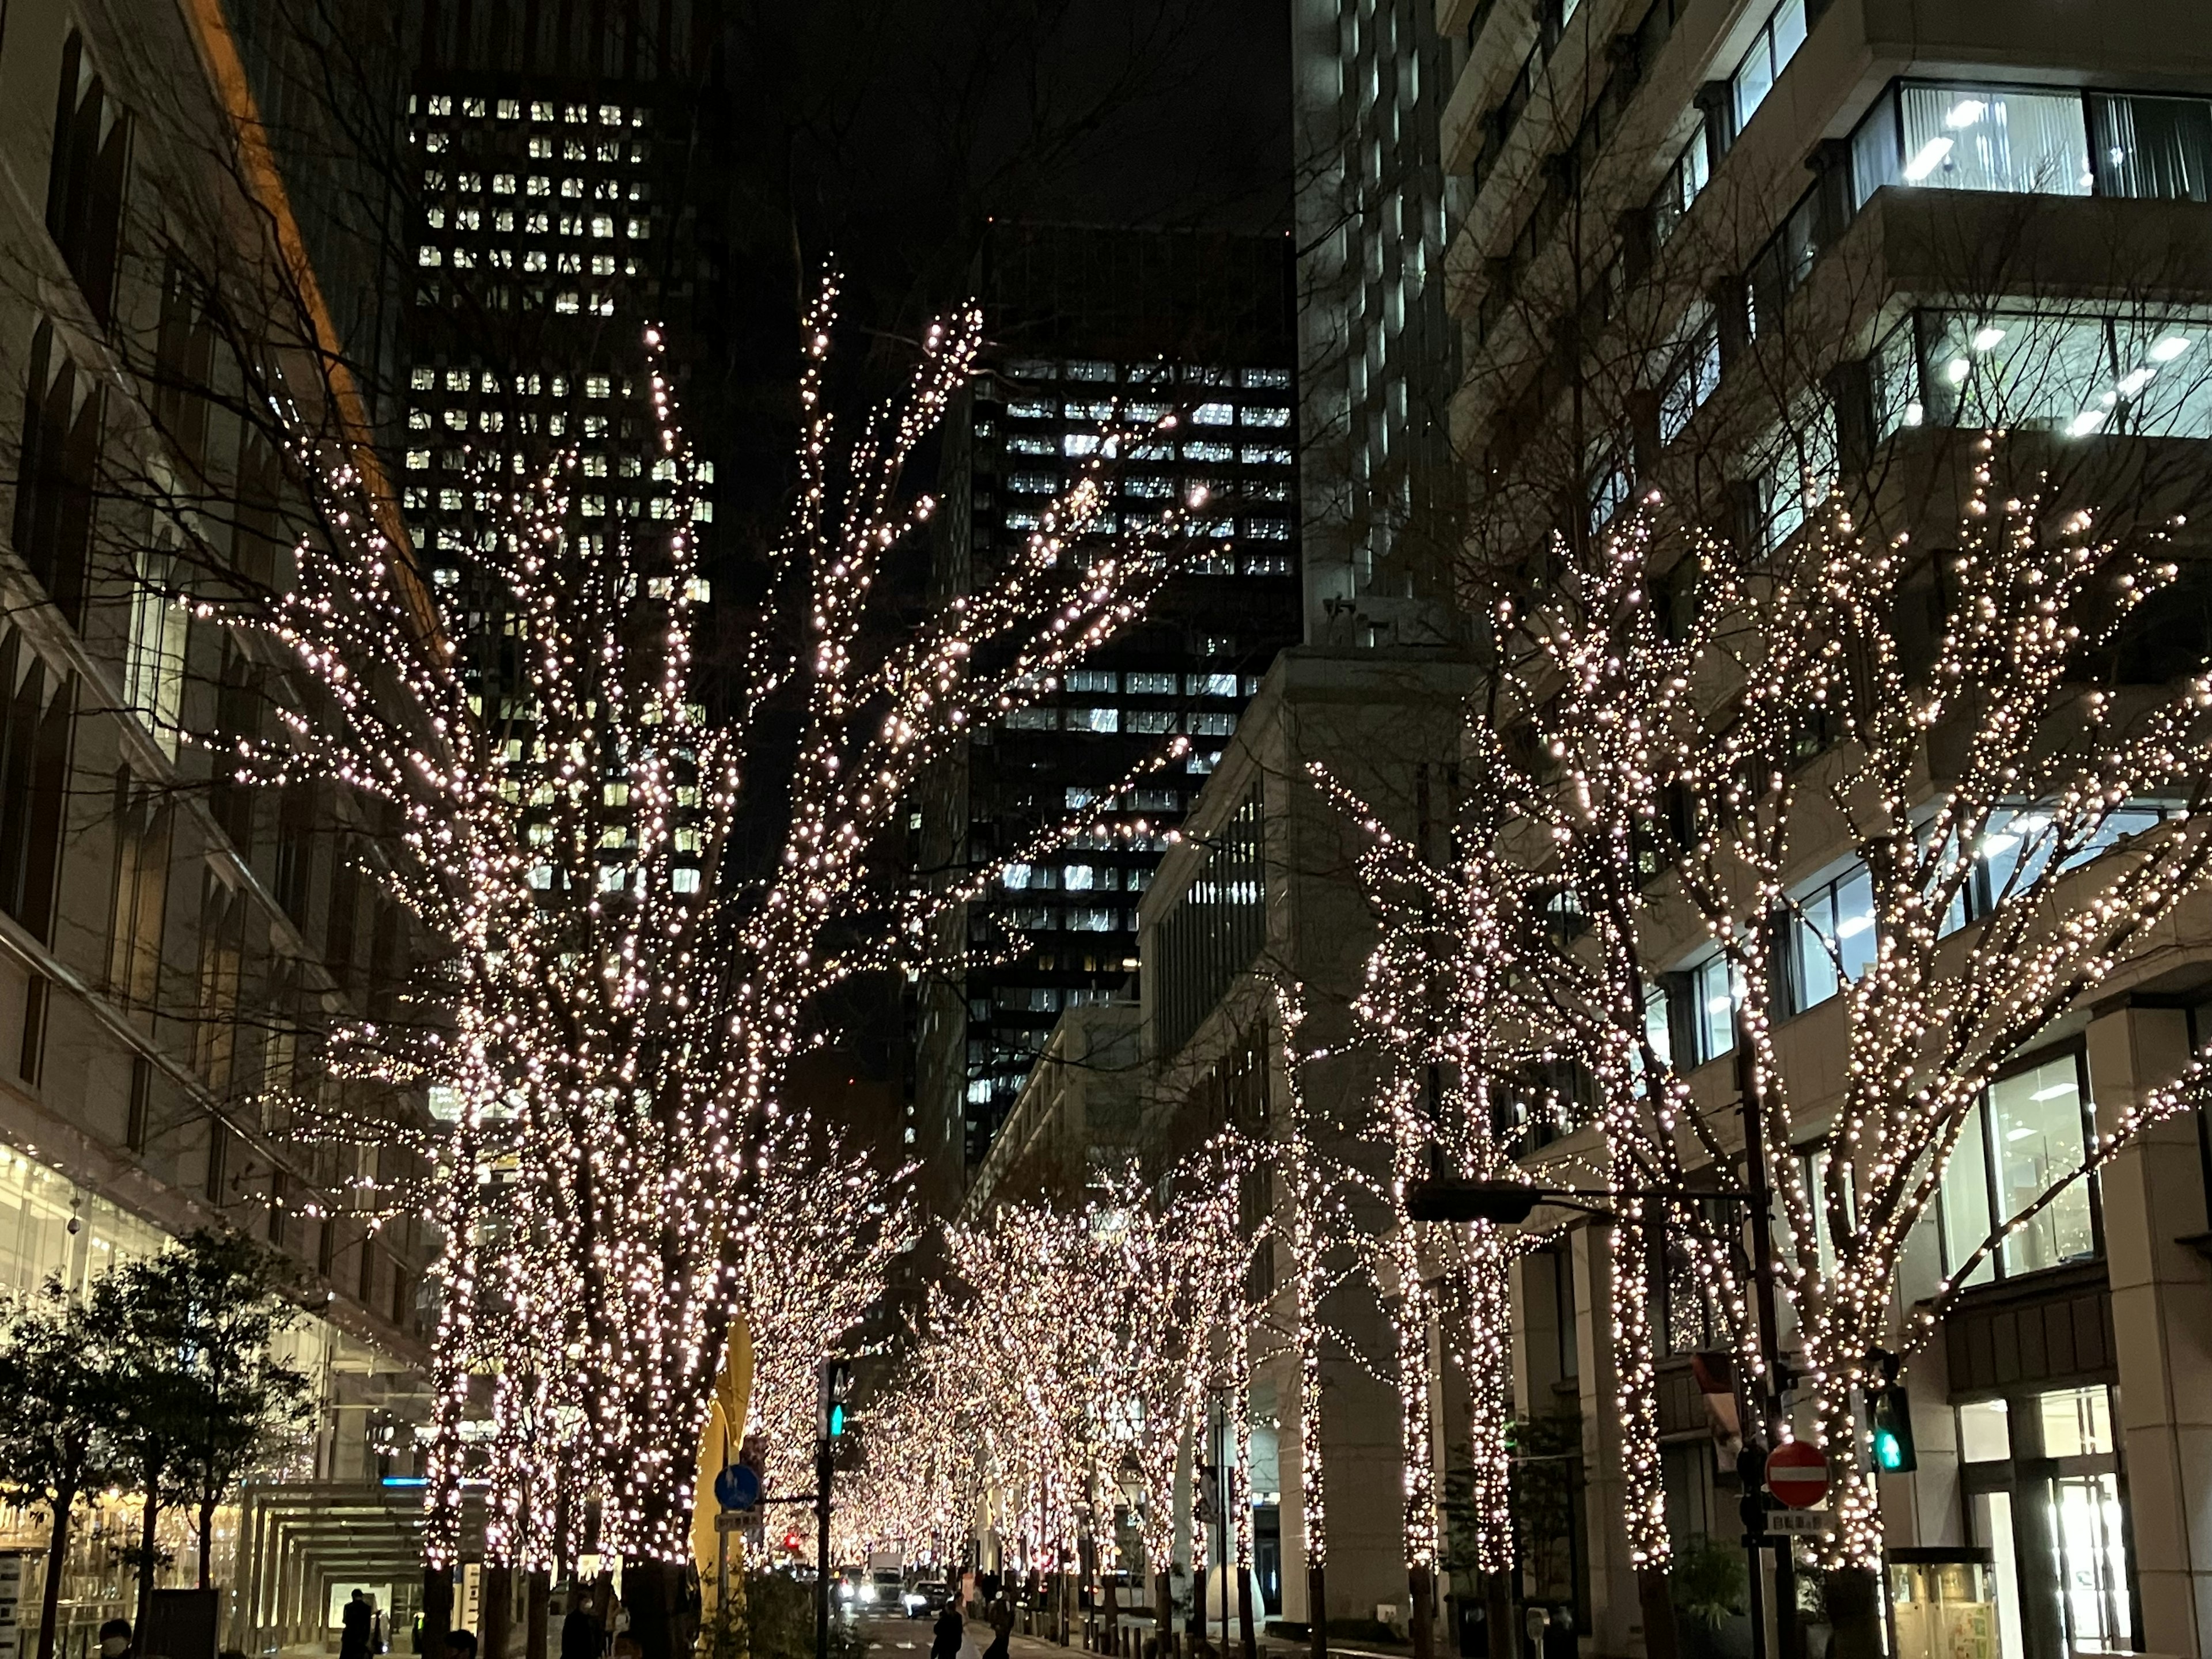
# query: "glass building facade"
1104, 327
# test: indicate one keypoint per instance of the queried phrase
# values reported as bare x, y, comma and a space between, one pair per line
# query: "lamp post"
1509, 1203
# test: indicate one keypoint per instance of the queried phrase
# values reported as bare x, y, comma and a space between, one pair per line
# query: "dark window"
184, 358
34, 745
137, 1127
345, 904
295, 825
237, 716
218, 1158
84, 190
33, 1058
59, 464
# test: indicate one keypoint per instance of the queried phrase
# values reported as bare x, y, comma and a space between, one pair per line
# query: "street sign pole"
821, 1470
1759, 1202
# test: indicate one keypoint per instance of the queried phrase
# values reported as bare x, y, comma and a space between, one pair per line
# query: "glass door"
2093, 1562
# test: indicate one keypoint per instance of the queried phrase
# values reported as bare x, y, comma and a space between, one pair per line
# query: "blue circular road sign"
737, 1486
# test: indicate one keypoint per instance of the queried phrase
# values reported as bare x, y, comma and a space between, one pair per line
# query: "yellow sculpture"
718, 1446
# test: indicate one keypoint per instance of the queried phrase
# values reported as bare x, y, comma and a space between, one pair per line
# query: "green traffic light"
837, 1419
1890, 1427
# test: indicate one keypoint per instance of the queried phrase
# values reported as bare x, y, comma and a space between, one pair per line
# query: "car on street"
922, 1598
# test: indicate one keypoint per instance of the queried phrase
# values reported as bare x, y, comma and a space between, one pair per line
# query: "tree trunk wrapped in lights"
1447, 1018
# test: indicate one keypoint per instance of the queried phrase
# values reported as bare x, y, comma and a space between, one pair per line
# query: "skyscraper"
554, 145
1378, 356
1093, 324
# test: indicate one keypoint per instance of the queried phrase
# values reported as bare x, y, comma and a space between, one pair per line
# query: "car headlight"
867, 1592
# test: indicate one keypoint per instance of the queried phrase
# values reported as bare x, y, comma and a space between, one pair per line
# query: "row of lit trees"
621, 1001
1059, 1378
601, 986
166, 1375
1643, 777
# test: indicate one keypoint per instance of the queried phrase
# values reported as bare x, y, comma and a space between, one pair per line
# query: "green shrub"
773, 1618
1708, 1582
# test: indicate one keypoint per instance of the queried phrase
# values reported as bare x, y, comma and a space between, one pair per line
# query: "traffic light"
791, 1542
1889, 1416
836, 1387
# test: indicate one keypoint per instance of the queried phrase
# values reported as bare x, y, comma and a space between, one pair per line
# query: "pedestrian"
460, 1645
114, 1638
944, 1637
1002, 1627
358, 1640
580, 1635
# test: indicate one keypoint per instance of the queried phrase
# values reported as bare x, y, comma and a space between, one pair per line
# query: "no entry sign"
1797, 1474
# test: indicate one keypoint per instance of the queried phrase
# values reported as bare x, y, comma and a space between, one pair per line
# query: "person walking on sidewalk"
580, 1635
1002, 1627
944, 1637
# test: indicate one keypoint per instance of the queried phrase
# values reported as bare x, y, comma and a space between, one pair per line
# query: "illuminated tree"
619, 1004
1447, 1019
826, 1226
2024, 822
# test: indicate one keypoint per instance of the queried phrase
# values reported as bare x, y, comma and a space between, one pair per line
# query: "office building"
1089, 325
175, 945
1378, 357
552, 166
1741, 254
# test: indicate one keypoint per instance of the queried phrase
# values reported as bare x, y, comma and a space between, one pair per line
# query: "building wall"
1093, 320
1386, 722
1377, 357
173, 950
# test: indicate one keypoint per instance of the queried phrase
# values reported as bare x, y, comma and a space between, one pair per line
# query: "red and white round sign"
1797, 1474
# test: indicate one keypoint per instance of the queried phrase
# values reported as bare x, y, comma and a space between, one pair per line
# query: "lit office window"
1696, 377
1779, 37
1689, 175
1714, 992
2078, 375
1834, 939
1973, 138
2037, 1137
153, 668
1094, 720
2029, 1132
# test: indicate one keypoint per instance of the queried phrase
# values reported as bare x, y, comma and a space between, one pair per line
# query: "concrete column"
2153, 1198
1616, 1617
